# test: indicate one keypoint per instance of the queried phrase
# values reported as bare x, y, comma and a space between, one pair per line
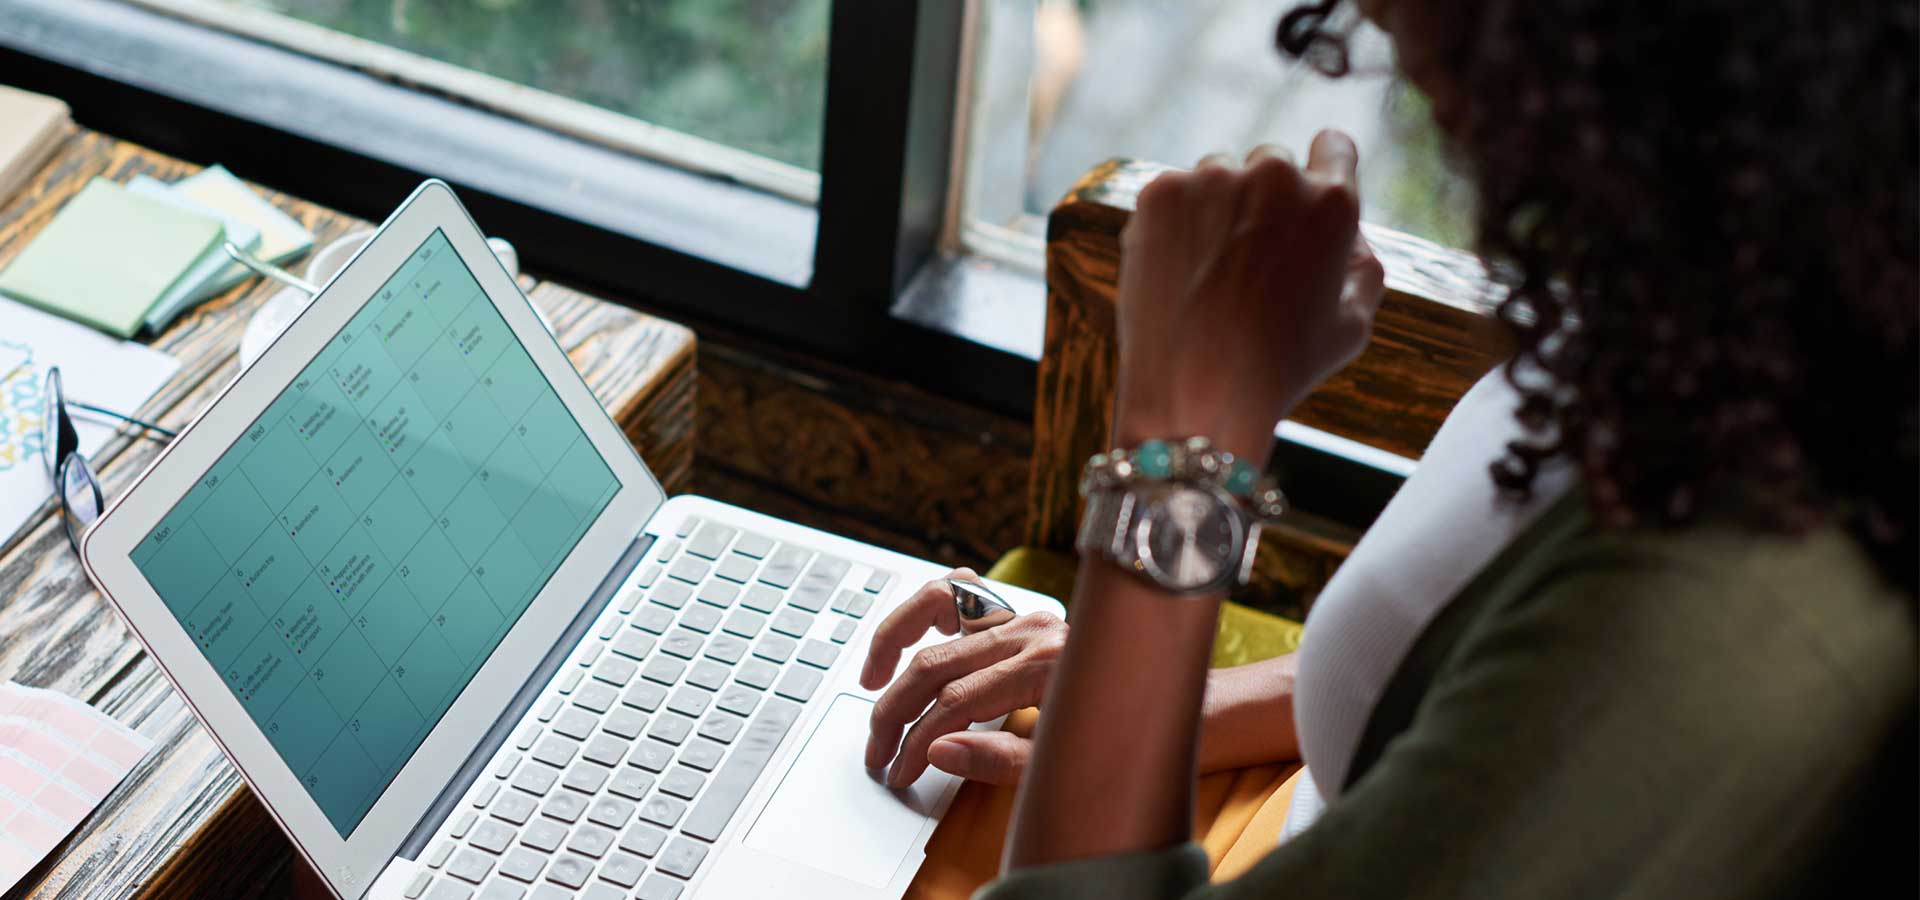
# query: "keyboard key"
687, 525
663, 811
588, 653
651, 755
575, 723
642, 839
690, 701
418, 885
551, 891
609, 627
514, 806
840, 599
625, 721
810, 595
737, 568
739, 700
612, 812
859, 606
606, 749
536, 778
527, 735
774, 648
565, 806
595, 696
682, 782
656, 619
586, 777
701, 617
745, 623
450, 890
570, 871
549, 707
681, 857
843, 631
818, 653
683, 643
689, 569
743, 767
487, 790
702, 754
660, 887
783, 567
631, 599
644, 695
758, 674
506, 764
630, 783
440, 854
761, 598
671, 727
664, 669
590, 841
754, 545
726, 648
522, 864
721, 726
600, 890
556, 751
634, 643
470, 866
492, 836
544, 835
666, 551
570, 680
649, 574
711, 540
623, 870
718, 593
878, 581
799, 683
463, 822
708, 674
792, 622
671, 594
501, 890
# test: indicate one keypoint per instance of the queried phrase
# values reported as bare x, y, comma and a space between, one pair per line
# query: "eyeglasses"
81, 500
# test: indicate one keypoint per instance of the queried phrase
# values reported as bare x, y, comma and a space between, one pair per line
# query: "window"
735, 88
1060, 85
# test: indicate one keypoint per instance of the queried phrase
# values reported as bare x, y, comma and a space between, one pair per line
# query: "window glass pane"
747, 73
1063, 84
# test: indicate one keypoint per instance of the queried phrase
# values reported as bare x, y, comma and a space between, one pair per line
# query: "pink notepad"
59, 758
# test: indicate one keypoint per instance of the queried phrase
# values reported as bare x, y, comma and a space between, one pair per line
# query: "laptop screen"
349, 564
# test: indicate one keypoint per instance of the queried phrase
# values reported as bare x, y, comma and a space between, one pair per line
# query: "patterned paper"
59, 758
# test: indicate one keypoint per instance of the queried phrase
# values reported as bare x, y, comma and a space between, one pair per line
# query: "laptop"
429, 600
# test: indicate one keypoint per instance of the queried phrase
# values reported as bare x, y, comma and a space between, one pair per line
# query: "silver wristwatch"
1188, 538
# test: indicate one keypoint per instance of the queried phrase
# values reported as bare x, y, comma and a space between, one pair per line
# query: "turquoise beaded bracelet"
1190, 461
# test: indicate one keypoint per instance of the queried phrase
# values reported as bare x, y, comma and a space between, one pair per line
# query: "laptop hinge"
563, 648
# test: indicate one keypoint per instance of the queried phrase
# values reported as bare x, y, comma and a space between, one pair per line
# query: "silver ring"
978, 608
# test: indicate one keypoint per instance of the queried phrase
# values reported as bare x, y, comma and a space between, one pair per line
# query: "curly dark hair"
1722, 199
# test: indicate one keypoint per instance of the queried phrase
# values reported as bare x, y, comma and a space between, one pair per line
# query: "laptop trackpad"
829, 814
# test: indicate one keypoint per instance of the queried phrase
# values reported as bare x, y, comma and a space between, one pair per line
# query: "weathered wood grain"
1433, 337
182, 824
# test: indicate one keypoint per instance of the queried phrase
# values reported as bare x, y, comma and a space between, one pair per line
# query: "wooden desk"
183, 824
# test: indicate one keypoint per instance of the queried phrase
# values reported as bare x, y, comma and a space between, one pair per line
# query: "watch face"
1188, 537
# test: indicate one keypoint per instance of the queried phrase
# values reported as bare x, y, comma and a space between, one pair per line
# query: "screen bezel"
351, 864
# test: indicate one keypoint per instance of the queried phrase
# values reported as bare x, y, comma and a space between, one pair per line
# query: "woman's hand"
950, 686
1242, 286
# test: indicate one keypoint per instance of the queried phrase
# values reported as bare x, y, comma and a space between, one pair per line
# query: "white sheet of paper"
94, 368
59, 758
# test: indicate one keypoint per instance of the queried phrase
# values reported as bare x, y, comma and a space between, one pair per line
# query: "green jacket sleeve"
1623, 727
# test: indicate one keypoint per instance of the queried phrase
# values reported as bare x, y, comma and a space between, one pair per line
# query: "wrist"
1249, 442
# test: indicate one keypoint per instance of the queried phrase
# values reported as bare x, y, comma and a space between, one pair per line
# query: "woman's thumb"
995, 757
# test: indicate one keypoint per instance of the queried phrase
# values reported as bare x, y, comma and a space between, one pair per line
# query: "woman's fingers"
995, 757
922, 681
931, 607
982, 696
1264, 152
1334, 157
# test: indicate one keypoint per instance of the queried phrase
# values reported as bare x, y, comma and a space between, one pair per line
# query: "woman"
1643, 623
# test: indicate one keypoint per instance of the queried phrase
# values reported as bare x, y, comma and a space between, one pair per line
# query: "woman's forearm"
1248, 716
1115, 750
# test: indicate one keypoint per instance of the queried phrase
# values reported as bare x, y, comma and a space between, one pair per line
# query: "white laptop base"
392, 570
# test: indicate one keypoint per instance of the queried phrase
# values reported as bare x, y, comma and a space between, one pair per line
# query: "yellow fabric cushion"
1246, 635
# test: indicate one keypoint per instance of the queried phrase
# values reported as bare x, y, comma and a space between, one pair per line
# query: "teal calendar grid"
351, 561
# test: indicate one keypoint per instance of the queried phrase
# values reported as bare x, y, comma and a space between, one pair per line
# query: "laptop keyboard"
643, 747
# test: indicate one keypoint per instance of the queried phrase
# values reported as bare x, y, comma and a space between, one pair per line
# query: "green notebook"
108, 256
